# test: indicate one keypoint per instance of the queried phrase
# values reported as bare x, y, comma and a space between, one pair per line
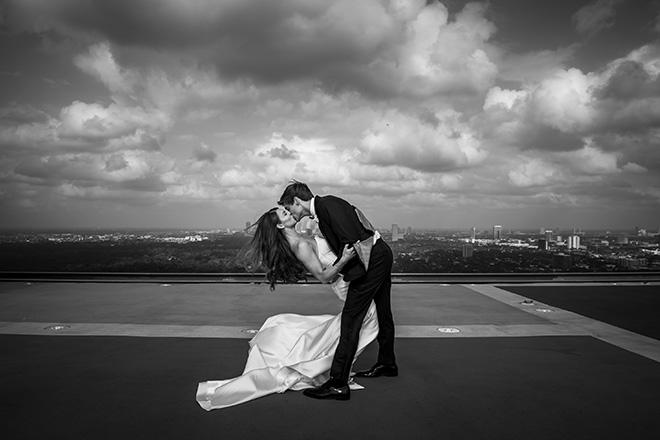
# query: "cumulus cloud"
398, 100
536, 172
281, 152
628, 92
82, 126
591, 160
381, 48
562, 101
128, 169
273, 163
439, 56
435, 142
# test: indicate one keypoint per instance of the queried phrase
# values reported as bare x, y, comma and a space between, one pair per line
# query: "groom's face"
296, 209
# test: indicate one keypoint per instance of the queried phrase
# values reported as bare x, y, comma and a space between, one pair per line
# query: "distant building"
573, 242
622, 239
497, 232
548, 235
542, 244
473, 233
408, 230
468, 250
629, 263
395, 232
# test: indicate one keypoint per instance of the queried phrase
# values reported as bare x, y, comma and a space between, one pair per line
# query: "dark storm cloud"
639, 148
630, 81
267, 40
542, 137
628, 104
115, 162
204, 153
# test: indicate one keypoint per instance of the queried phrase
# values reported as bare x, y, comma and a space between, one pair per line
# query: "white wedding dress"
290, 352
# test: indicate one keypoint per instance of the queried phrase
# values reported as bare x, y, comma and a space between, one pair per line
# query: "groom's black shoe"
379, 370
327, 391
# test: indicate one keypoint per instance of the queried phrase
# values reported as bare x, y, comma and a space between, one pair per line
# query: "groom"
341, 223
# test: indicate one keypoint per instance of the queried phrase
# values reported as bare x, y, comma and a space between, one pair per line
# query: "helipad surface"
122, 360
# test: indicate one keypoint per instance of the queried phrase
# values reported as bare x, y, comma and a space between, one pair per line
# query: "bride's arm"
307, 255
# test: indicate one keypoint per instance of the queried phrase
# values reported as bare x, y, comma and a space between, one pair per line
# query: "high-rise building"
473, 233
548, 235
497, 232
395, 232
574, 242
543, 244
468, 250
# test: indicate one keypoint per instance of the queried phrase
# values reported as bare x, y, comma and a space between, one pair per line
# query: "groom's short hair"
295, 189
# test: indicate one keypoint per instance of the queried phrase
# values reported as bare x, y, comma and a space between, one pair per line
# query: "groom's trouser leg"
383, 301
359, 296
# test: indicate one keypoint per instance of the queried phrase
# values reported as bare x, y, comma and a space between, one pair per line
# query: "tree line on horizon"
220, 255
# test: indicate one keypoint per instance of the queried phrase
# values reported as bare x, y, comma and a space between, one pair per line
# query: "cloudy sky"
430, 114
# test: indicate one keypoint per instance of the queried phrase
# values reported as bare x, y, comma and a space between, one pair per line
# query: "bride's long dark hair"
270, 250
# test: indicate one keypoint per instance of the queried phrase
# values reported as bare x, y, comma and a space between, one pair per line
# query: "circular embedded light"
448, 330
250, 330
165, 285
57, 327
544, 310
527, 302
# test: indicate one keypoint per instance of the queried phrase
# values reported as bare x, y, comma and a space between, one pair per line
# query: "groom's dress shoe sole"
327, 393
379, 371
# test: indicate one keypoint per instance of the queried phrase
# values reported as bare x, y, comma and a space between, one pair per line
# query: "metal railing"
397, 278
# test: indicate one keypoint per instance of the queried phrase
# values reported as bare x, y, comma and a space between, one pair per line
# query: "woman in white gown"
290, 352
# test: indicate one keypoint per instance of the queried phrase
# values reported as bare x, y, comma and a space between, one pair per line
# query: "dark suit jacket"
340, 225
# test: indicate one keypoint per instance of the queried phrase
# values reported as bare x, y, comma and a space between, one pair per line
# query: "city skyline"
429, 114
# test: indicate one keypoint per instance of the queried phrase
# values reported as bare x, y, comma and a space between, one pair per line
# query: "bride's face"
285, 218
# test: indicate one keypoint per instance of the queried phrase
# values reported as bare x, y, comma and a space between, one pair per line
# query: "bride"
290, 352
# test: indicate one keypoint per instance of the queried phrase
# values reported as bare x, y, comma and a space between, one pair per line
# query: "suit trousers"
375, 285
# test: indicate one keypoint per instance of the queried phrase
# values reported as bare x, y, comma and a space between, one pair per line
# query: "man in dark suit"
370, 279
